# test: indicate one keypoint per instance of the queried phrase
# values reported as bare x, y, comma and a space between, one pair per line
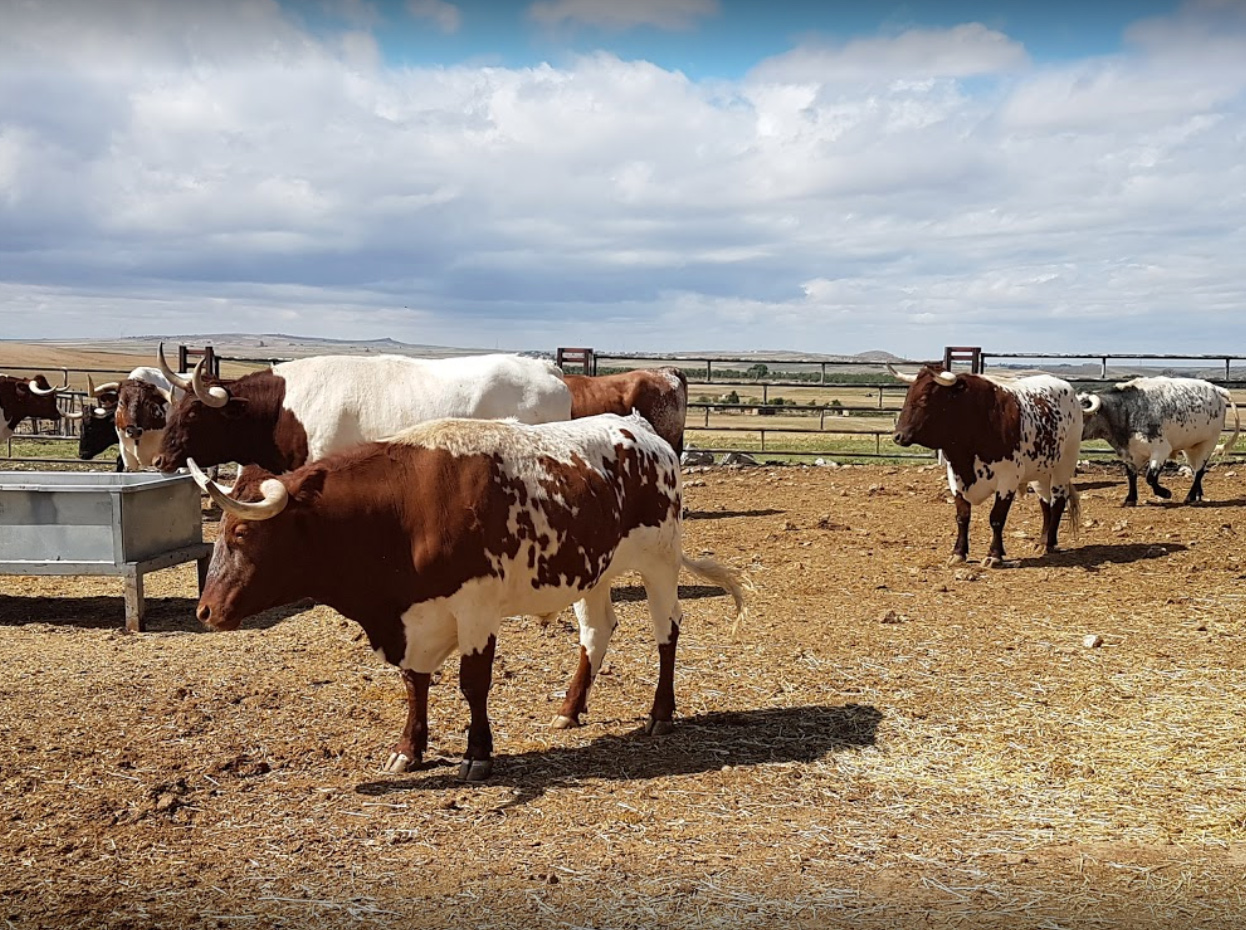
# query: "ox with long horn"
33, 384
275, 496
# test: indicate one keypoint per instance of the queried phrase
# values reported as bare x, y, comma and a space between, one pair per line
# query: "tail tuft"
733, 582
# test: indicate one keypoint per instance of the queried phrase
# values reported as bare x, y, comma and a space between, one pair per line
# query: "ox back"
1146, 421
303, 410
660, 395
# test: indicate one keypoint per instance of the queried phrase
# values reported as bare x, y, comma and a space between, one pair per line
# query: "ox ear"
307, 487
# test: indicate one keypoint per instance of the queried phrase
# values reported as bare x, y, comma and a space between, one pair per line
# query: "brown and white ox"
659, 394
134, 411
300, 411
429, 540
27, 397
996, 436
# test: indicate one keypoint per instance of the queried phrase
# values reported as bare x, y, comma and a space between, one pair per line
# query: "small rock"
697, 457
1092, 641
892, 617
789, 525
739, 458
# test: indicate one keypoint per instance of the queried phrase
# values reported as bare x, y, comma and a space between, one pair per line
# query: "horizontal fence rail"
769, 412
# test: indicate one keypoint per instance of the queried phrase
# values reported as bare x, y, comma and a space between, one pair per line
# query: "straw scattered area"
890, 742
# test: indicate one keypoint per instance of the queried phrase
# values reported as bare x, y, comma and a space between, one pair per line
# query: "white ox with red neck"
997, 435
429, 540
300, 411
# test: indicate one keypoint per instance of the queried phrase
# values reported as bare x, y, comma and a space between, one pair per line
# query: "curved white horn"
947, 378
72, 414
275, 496
1090, 402
174, 378
35, 389
103, 388
907, 379
212, 396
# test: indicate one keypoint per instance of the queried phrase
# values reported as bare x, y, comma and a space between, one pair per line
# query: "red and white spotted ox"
136, 409
300, 411
21, 398
996, 435
430, 539
659, 394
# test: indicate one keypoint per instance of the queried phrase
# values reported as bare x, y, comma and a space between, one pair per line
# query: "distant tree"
760, 370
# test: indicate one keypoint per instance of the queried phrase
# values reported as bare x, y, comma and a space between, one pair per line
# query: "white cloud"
838, 200
623, 14
445, 15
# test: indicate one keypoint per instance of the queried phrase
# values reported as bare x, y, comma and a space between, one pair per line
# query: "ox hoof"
398, 763
993, 561
475, 769
658, 727
955, 559
563, 722
1130, 502
1163, 493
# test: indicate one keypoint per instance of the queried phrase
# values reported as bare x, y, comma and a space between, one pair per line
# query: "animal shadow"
1109, 554
687, 592
727, 514
1175, 504
161, 614
703, 743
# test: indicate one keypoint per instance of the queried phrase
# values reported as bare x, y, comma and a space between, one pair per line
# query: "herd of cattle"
429, 499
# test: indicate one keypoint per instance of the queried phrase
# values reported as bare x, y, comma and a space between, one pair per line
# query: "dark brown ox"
996, 436
429, 540
659, 394
21, 398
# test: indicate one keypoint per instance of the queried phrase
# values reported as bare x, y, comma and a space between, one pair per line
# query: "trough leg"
134, 600
999, 516
960, 551
409, 750
475, 679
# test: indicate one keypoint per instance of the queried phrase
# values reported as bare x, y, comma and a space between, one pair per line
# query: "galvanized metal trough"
88, 523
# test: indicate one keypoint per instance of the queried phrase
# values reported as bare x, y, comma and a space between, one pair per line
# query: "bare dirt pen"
890, 742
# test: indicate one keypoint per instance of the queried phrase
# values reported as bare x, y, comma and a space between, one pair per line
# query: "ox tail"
731, 581
1226, 447
1074, 513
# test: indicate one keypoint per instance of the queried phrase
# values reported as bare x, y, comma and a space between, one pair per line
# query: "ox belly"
996, 477
465, 620
1173, 438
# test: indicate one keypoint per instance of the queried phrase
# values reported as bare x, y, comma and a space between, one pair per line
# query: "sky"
630, 175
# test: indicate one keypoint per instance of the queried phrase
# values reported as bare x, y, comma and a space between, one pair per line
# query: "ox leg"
1131, 499
999, 516
1152, 478
120, 465
960, 551
475, 680
597, 624
1059, 499
1196, 489
664, 611
409, 750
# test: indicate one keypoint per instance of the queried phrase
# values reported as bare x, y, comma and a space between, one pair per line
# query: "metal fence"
725, 423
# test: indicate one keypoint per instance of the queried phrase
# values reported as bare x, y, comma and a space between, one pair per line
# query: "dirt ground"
889, 741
